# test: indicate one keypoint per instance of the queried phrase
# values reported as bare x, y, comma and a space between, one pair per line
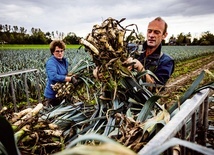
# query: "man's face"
155, 33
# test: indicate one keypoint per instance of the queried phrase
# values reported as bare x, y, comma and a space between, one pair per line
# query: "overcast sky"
79, 16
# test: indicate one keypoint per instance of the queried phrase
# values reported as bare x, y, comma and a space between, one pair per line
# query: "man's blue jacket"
161, 64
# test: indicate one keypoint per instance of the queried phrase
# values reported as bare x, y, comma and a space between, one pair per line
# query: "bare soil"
184, 75
185, 78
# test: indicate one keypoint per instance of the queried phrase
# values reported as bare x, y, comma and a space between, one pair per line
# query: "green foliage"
71, 38
14, 35
207, 39
34, 47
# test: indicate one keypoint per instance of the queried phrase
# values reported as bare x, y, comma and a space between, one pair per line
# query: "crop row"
12, 60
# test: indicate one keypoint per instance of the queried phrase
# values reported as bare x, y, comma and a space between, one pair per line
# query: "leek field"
28, 57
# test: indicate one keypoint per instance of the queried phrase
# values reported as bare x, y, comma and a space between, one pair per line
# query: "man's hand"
136, 64
139, 67
96, 74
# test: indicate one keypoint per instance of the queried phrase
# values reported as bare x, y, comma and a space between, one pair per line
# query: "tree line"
206, 38
18, 35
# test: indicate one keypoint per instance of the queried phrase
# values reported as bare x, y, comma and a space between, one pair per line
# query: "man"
161, 64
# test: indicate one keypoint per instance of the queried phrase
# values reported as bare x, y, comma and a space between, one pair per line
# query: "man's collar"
157, 51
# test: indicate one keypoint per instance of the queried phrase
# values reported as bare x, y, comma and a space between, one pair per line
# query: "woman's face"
58, 53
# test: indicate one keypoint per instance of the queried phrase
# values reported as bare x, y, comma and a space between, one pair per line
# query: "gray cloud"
79, 16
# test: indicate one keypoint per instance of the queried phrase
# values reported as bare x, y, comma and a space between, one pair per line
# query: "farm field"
187, 71
190, 61
187, 59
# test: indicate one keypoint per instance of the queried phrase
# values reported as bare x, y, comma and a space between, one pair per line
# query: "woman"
56, 70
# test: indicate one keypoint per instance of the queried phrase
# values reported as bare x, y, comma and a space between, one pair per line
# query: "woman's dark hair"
55, 43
